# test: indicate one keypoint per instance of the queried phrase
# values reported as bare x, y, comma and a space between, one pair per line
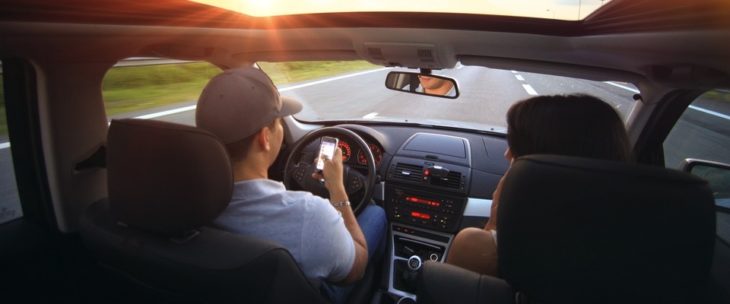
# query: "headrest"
164, 177
583, 230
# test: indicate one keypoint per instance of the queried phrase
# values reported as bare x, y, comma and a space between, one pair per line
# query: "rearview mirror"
424, 84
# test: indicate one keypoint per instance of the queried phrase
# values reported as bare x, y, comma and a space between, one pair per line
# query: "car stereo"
422, 209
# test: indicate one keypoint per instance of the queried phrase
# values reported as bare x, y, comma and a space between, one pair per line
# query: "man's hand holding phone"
329, 165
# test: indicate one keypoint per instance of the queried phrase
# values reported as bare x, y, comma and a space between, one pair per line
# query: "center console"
425, 195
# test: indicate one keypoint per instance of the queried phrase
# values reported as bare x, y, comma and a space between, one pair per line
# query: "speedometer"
346, 150
377, 155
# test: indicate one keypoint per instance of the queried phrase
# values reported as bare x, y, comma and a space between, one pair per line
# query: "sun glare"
549, 9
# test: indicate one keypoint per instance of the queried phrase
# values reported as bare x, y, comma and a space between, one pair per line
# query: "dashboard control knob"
433, 256
414, 263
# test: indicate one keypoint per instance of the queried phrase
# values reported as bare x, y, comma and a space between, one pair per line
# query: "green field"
135, 88
127, 89
717, 95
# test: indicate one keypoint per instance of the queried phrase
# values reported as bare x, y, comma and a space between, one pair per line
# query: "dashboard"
432, 182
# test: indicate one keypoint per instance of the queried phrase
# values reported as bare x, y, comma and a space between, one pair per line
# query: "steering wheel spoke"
300, 171
354, 181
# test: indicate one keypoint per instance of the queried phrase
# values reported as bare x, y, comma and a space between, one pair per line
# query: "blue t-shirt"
306, 225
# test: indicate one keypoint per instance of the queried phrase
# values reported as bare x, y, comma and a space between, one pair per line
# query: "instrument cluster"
352, 154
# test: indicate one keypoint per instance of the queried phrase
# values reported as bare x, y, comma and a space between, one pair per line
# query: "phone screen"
326, 149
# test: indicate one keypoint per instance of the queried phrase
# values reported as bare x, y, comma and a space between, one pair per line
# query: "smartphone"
326, 149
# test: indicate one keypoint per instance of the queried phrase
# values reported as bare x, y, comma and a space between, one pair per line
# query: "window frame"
23, 119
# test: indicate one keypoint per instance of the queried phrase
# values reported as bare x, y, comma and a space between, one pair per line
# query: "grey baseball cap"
239, 102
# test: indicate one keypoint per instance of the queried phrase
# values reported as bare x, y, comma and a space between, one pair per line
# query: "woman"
574, 125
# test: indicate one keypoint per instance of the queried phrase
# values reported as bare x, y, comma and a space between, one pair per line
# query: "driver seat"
166, 182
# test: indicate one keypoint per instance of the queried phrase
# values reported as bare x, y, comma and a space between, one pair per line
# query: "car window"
155, 88
355, 90
10, 207
703, 132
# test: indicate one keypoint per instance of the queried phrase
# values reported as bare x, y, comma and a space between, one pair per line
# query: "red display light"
422, 201
423, 216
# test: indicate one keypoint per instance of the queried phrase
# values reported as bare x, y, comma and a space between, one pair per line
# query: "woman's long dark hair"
574, 125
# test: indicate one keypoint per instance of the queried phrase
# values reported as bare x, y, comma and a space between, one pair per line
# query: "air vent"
452, 180
376, 53
425, 55
406, 172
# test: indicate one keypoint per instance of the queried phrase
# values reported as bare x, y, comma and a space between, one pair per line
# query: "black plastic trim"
649, 146
21, 102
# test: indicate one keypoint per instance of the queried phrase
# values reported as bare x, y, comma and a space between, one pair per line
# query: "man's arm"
334, 182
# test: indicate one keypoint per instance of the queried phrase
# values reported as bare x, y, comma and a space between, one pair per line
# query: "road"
486, 94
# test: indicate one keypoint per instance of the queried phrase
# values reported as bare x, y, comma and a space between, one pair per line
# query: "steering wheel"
356, 184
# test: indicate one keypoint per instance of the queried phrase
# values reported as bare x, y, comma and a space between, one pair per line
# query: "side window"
10, 207
155, 88
703, 132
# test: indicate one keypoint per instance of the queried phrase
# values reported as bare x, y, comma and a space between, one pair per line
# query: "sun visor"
410, 55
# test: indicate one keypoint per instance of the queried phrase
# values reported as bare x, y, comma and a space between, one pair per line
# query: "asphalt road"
486, 94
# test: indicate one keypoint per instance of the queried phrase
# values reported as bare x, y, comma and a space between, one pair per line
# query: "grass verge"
128, 89
136, 88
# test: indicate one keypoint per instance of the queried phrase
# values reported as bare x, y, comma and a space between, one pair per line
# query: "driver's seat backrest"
167, 182
577, 230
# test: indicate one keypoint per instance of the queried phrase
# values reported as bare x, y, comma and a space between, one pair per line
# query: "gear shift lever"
414, 263
410, 275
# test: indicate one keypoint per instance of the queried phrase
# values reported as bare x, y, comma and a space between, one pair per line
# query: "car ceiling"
673, 42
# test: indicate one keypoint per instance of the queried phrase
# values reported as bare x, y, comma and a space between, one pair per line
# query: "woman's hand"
492, 223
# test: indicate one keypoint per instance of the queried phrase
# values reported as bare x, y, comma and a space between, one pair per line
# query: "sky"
553, 9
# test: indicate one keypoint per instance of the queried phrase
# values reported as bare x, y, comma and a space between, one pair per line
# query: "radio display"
423, 201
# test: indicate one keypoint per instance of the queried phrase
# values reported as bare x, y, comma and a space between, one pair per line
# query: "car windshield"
547, 9
355, 91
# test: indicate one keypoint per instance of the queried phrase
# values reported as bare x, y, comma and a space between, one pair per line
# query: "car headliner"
624, 38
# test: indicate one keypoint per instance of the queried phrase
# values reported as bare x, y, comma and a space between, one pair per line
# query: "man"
435, 86
243, 108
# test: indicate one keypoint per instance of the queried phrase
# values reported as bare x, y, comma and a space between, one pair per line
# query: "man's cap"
239, 102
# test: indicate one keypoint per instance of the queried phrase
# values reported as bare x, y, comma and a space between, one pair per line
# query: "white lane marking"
519, 77
4, 145
622, 86
529, 89
706, 111
168, 112
513, 71
330, 79
370, 115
